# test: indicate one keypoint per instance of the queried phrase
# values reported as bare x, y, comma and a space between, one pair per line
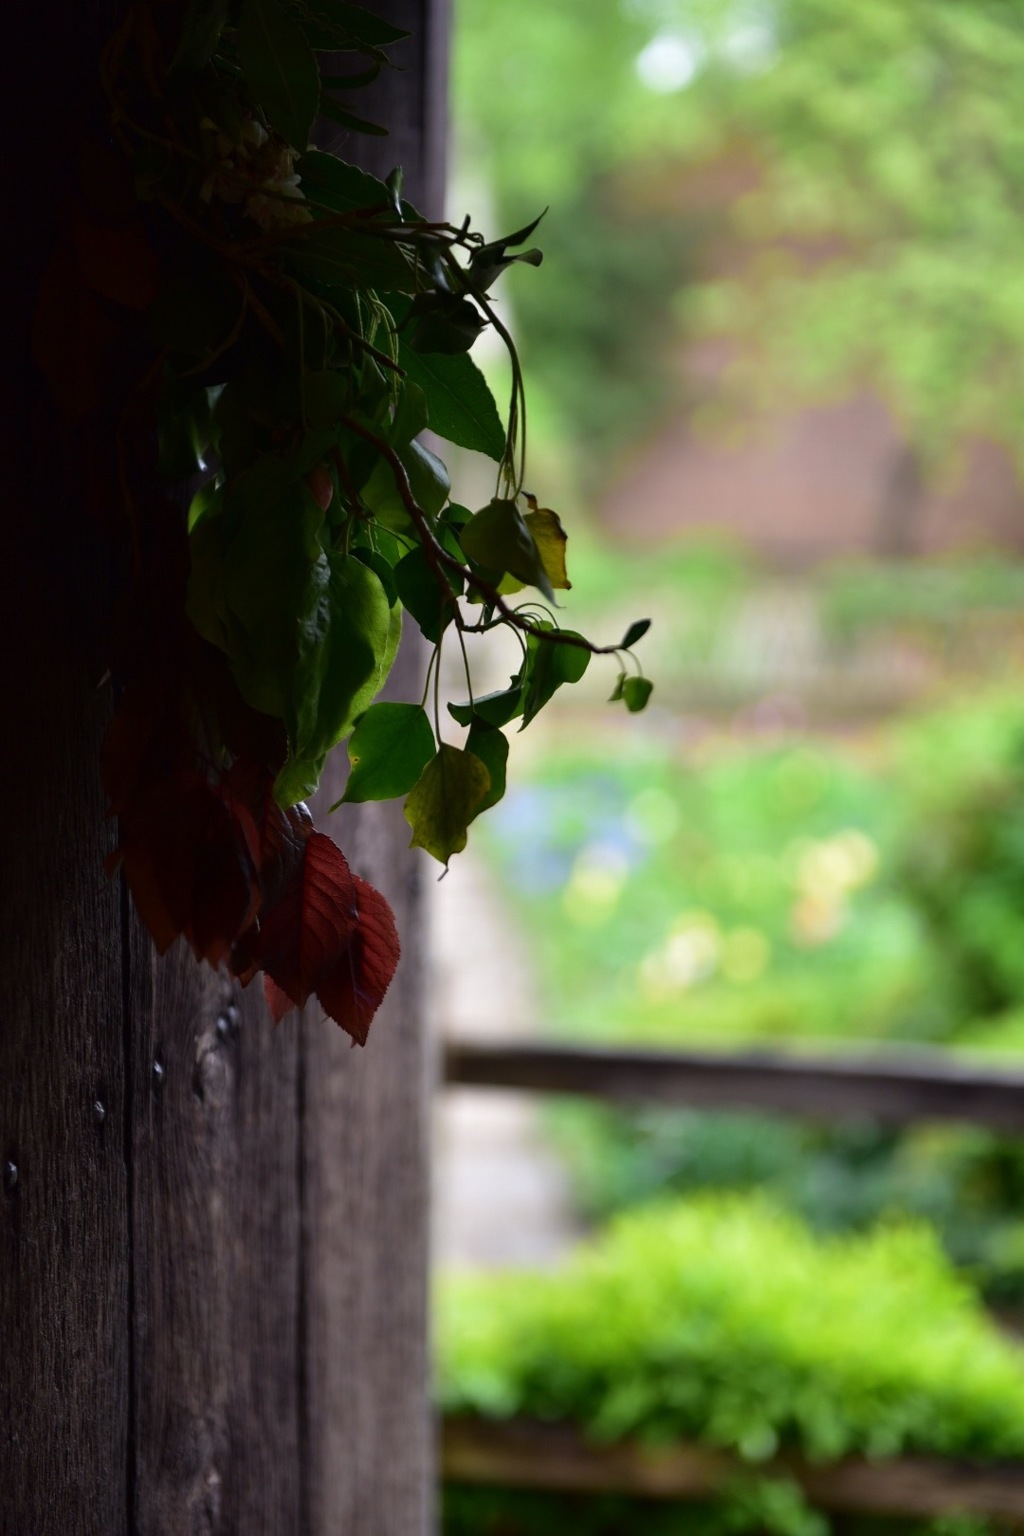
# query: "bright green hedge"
728, 1322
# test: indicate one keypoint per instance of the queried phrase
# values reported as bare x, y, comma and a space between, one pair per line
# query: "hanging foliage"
235, 310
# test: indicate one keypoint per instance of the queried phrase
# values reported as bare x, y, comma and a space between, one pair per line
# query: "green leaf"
550, 663
410, 417
442, 804
389, 749
616, 694
347, 642
258, 573
444, 322
349, 120
431, 605
635, 632
394, 180
428, 477
339, 186
428, 481
498, 539
325, 394
488, 262
204, 602
236, 433
339, 26
196, 308
492, 708
279, 68
636, 691
382, 568
200, 33
491, 747
353, 82
340, 258
206, 502
460, 404
370, 689
184, 432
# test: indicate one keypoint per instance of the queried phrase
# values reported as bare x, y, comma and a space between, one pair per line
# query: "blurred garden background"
775, 360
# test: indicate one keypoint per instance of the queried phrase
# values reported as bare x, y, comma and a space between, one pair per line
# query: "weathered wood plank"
190, 1340
885, 1087
369, 1452
63, 1219
520, 1453
63, 1229
216, 1229
281, 1226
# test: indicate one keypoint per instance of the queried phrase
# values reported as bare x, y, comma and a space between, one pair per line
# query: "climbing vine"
246, 337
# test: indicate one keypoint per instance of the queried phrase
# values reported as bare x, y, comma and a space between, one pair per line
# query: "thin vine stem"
440, 561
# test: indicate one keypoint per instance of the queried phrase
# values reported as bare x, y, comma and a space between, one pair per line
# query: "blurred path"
500, 1195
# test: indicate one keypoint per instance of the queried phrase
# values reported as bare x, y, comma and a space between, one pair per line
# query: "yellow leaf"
550, 538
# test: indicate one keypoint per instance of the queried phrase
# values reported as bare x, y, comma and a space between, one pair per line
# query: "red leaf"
282, 832
117, 262
304, 933
70, 337
225, 891
283, 838
278, 1002
329, 933
321, 487
190, 858
354, 990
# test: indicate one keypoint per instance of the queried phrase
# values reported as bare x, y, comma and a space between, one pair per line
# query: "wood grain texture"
216, 1229
281, 1190
887, 1087
521, 1453
280, 1201
212, 1233
63, 1215
369, 1450
63, 1228
365, 1204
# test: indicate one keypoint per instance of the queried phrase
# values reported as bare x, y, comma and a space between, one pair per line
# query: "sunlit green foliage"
895, 130
793, 889
727, 1322
962, 859
786, 892
732, 895
887, 222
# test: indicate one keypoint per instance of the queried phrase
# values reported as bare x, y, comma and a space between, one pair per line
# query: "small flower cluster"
256, 170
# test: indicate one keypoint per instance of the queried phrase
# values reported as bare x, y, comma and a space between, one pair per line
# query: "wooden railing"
889, 1087
521, 1453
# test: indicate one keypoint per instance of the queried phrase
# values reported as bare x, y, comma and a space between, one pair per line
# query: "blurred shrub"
935, 598
961, 854
808, 890
967, 1183
725, 1321
735, 894
594, 343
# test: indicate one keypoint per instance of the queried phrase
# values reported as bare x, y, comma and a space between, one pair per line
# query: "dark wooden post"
213, 1234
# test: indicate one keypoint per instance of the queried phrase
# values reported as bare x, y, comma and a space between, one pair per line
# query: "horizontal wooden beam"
885, 1087
520, 1453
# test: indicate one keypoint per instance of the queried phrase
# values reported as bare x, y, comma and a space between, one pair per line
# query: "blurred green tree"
884, 219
